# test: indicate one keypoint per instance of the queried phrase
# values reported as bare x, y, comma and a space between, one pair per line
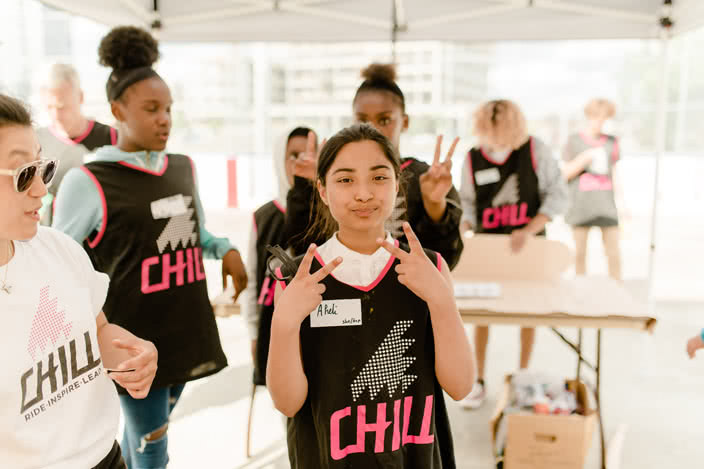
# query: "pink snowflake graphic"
47, 324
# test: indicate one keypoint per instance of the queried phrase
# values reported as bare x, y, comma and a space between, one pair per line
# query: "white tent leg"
660, 143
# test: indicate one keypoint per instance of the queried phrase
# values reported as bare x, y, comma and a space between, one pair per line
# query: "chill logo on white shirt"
48, 324
387, 368
72, 361
506, 207
180, 232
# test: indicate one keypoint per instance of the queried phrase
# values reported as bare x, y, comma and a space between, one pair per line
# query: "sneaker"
475, 398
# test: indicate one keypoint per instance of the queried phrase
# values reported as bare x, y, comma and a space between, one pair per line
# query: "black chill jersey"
149, 245
507, 195
373, 398
71, 152
269, 222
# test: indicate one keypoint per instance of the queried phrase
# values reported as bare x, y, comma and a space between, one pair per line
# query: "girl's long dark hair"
322, 224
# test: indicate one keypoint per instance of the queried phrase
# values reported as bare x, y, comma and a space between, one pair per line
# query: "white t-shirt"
68, 418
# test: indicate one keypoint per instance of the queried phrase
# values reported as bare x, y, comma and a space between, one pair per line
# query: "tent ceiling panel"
345, 20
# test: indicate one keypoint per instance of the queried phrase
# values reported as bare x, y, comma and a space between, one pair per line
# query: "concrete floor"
650, 389
650, 392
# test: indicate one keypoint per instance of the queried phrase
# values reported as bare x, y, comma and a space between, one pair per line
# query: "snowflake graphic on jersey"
508, 195
48, 323
180, 229
388, 365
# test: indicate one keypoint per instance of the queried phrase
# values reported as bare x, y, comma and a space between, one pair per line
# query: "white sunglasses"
24, 175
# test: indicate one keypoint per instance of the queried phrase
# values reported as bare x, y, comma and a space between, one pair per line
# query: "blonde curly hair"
600, 108
500, 123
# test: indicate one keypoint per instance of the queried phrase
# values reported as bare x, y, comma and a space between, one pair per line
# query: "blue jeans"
142, 417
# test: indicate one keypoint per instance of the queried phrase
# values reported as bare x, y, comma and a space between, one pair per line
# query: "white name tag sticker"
335, 313
487, 176
169, 207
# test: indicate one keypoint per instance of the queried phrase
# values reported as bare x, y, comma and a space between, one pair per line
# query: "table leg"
597, 396
579, 354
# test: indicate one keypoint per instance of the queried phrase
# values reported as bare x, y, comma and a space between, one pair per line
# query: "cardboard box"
536, 441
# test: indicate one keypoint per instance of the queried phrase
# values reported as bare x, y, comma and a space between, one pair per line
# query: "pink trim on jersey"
83, 136
148, 171
280, 275
616, 153
72, 141
104, 203
193, 169
371, 286
279, 206
488, 158
469, 165
532, 154
406, 164
113, 136
591, 141
439, 261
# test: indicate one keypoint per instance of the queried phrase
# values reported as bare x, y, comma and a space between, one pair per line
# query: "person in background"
511, 184
138, 210
591, 160
70, 135
267, 230
694, 344
428, 200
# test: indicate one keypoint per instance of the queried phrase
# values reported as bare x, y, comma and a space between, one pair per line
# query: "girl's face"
144, 113
382, 110
19, 215
360, 188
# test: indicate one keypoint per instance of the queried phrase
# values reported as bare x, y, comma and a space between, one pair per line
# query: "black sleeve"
300, 202
443, 236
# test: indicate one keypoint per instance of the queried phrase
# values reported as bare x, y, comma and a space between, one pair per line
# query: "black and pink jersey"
149, 244
71, 152
373, 397
269, 223
507, 195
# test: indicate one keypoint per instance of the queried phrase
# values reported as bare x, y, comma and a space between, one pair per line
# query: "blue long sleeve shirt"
79, 212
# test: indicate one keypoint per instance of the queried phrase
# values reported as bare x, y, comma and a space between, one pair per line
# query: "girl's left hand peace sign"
436, 183
416, 271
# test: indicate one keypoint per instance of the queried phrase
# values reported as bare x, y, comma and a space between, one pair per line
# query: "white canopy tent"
372, 20
406, 20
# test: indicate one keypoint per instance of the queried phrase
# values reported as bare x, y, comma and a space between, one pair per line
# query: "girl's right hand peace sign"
416, 271
304, 293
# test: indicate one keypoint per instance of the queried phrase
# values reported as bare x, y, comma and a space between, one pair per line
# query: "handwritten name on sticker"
335, 313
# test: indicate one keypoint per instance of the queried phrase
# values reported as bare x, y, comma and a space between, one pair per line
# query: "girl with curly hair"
137, 209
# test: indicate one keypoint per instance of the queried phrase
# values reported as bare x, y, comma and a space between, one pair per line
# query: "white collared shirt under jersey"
356, 269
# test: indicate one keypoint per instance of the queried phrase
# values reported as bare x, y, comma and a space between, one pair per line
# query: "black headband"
386, 85
120, 80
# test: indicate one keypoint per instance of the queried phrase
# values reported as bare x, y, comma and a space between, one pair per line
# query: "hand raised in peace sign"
436, 183
416, 271
305, 165
304, 293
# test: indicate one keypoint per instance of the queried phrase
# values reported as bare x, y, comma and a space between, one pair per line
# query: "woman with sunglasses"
58, 408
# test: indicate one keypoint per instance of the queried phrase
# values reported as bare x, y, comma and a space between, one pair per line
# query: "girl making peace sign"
428, 200
359, 358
